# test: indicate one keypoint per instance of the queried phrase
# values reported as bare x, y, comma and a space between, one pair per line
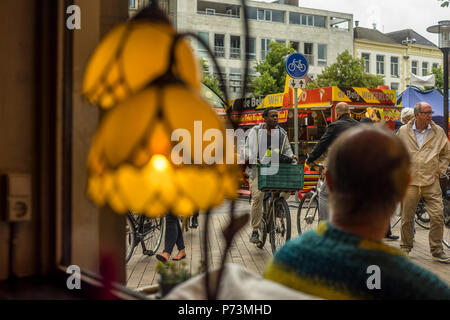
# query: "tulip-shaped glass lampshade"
132, 55
149, 155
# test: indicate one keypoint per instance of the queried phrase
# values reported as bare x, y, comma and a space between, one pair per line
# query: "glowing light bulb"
159, 162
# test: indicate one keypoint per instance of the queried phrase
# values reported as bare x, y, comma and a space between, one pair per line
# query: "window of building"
210, 11
235, 47
380, 64
435, 66
319, 21
394, 67
307, 20
264, 47
304, 20
201, 50
308, 52
252, 13
414, 67
395, 85
277, 16
424, 68
322, 54
251, 49
294, 45
294, 18
132, 4
219, 45
266, 15
235, 80
281, 41
366, 58
221, 72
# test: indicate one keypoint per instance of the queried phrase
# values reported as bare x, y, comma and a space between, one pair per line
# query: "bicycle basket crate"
290, 177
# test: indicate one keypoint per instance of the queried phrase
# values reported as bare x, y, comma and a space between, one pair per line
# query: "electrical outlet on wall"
16, 197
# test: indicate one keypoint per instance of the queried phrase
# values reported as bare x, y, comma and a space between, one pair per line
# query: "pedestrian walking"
173, 236
429, 149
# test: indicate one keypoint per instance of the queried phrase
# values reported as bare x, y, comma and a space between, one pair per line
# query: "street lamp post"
443, 29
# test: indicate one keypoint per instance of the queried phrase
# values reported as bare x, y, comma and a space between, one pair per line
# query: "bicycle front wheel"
153, 234
308, 213
130, 237
280, 228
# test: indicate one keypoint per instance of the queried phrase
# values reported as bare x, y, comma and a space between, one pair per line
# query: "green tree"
272, 71
347, 71
439, 80
444, 3
210, 79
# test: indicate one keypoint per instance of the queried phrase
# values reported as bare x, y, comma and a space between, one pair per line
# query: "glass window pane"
322, 54
294, 18
260, 14
252, 13
278, 16
310, 21
304, 18
205, 37
319, 21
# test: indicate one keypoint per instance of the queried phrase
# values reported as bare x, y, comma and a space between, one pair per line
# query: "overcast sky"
389, 15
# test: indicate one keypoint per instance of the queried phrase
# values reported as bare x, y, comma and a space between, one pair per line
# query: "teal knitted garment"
333, 264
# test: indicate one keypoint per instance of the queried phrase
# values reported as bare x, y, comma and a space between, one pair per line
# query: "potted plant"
171, 274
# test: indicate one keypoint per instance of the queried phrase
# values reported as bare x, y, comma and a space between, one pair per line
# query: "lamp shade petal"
131, 56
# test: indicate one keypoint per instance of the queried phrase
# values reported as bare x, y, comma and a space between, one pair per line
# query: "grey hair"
417, 107
407, 113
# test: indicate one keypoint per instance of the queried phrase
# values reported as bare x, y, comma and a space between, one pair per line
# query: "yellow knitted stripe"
321, 228
374, 245
277, 272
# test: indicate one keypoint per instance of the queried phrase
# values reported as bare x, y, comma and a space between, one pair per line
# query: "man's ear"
329, 180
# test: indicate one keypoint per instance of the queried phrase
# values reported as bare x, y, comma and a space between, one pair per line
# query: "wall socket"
16, 197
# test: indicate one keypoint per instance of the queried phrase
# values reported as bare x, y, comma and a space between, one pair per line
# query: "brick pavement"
141, 269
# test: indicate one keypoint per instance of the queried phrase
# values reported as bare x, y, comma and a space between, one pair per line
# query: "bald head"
342, 108
368, 172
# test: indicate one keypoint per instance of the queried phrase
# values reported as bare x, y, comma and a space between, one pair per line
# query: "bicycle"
422, 218
146, 231
276, 221
296, 64
308, 209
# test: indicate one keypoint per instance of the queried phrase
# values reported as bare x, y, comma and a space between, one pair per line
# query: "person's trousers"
256, 204
432, 196
174, 235
323, 202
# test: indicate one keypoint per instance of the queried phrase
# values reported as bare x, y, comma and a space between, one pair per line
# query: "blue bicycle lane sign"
297, 65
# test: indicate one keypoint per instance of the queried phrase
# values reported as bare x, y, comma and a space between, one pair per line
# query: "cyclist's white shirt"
251, 146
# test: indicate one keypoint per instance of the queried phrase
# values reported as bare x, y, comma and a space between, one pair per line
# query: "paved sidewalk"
141, 269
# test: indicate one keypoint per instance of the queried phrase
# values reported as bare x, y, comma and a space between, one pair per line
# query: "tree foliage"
439, 79
444, 3
272, 71
210, 79
347, 71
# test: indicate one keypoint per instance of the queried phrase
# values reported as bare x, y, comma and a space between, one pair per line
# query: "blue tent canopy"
412, 95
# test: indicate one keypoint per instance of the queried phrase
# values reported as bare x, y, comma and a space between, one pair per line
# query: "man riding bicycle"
261, 144
334, 130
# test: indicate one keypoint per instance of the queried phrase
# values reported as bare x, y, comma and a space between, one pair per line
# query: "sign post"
297, 68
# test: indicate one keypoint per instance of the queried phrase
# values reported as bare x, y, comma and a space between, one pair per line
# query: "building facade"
320, 35
396, 55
